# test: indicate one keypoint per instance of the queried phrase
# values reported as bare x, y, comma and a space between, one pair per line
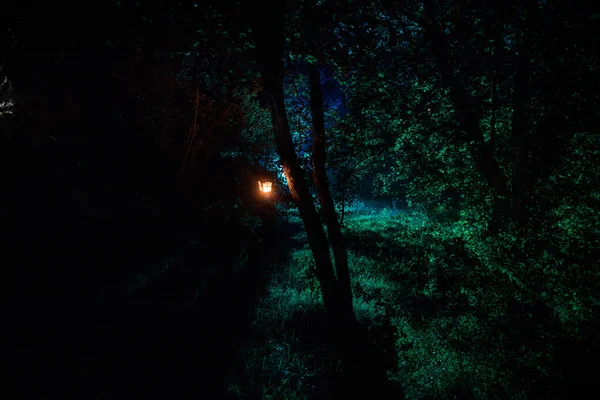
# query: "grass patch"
470, 319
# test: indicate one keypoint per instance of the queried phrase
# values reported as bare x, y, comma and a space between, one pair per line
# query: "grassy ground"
445, 311
236, 312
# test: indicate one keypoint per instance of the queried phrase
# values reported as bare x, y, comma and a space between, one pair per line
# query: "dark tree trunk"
494, 106
325, 199
521, 173
345, 171
468, 111
270, 47
343, 210
518, 138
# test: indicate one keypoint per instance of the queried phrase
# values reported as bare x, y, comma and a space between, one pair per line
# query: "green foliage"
465, 308
574, 182
257, 136
432, 364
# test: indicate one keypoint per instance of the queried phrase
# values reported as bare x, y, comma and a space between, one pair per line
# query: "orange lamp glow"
265, 186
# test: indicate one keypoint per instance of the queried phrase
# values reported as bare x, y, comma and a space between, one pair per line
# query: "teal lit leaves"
431, 365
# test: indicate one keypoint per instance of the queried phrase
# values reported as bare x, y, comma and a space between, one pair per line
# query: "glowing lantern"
265, 186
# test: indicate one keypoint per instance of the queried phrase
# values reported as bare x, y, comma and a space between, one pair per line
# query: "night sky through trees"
452, 176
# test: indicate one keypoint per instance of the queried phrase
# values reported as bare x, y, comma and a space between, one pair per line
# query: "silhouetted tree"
270, 34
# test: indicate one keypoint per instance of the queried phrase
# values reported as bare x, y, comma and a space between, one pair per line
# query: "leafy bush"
477, 316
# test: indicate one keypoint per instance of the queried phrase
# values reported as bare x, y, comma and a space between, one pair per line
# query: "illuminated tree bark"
324, 194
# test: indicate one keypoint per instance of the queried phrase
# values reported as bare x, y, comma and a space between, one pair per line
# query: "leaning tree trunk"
334, 231
521, 173
482, 152
270, 47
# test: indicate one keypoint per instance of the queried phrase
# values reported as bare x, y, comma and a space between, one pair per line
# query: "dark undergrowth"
95, 313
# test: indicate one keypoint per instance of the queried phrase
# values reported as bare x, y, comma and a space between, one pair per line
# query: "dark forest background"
459, 145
